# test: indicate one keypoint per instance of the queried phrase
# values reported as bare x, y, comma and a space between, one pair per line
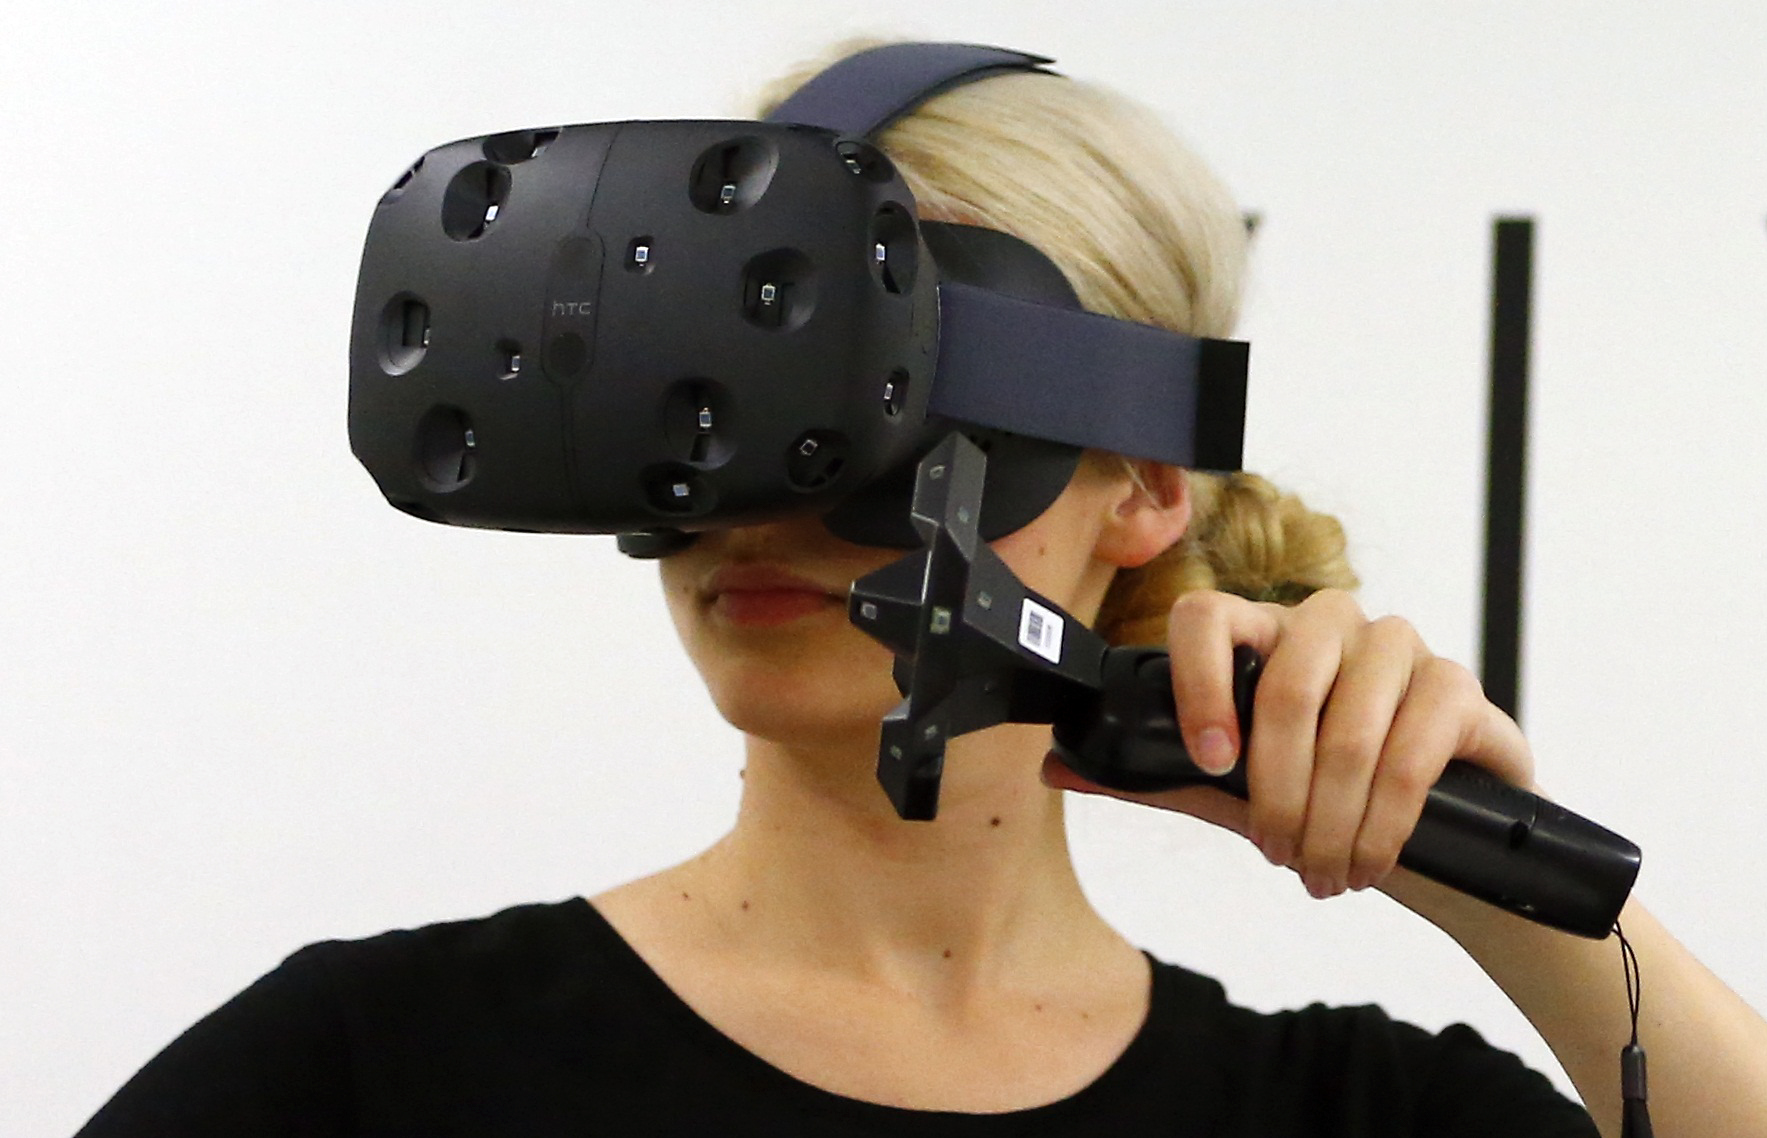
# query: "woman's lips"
764, 596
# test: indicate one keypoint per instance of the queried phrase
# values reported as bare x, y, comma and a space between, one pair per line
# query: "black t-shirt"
541, 1021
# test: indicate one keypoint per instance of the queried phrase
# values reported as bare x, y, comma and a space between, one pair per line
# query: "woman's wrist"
1707, 1048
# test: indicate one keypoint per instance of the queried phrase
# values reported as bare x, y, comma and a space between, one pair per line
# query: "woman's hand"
1353, 722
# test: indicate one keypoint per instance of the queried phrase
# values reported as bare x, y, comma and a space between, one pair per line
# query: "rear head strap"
864, 93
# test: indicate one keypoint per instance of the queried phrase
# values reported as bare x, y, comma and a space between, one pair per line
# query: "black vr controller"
651, 329
979, 648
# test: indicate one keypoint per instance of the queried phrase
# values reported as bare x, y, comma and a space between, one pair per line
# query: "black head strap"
864, 93
1089, 380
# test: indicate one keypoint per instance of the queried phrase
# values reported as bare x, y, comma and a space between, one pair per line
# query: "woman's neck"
819, 873
950, 965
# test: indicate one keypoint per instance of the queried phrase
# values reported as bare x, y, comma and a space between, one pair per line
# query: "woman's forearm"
1707, 1049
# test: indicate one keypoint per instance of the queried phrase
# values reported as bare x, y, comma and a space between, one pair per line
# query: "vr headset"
654, 329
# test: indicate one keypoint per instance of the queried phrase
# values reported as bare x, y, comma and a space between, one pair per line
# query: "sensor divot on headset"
447, 447
895, 248
865, 160
732, 175
779, 290
516, 146
404, 333
815, 459
474, 199
509, 359
398, 187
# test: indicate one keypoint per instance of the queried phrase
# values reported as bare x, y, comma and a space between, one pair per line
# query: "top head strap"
864, 93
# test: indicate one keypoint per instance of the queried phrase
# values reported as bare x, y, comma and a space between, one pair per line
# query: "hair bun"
1245, 537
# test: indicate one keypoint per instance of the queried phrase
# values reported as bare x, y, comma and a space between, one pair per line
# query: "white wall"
244, 705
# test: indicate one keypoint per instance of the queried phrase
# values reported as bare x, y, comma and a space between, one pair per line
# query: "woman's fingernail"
1215, 751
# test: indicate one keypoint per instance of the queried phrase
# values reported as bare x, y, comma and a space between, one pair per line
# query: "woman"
825, 968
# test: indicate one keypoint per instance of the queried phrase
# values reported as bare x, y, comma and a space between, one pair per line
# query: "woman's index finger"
1201, 633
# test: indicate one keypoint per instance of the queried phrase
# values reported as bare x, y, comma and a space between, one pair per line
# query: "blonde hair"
1142, 230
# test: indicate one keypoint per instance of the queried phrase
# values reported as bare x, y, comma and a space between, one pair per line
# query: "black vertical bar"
1512, 287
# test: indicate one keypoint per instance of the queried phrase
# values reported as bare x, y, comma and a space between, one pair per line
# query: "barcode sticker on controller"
1039, 629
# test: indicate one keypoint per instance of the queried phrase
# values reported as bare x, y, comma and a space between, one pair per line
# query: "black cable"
1634, 1094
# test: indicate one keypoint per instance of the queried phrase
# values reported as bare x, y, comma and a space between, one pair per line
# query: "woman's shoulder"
540, 965
522, 942
1361, 1060
398, 1018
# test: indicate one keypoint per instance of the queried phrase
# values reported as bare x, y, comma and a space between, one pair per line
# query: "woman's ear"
1147, 516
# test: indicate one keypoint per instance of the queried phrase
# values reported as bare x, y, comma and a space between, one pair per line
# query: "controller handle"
1478, 834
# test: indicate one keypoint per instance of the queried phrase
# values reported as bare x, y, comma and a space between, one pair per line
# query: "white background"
244, 705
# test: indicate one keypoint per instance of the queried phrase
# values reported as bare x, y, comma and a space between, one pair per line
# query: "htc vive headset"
655, 328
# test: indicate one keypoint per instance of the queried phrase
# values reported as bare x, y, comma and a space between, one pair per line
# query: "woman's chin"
803, 707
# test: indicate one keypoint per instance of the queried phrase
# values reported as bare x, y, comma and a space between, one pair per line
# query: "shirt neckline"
1153, 1047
